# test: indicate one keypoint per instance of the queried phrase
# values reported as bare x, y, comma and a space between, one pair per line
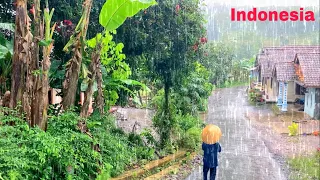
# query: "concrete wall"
291, 92
312, 102
275, 88
269, 92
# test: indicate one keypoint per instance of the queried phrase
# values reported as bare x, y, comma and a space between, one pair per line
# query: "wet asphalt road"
244, 155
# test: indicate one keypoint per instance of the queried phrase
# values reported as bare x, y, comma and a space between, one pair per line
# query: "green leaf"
45, 43
115, 12
9, 45
84, 86
137, 83
3, 52
7, 26
93, 42
85, 71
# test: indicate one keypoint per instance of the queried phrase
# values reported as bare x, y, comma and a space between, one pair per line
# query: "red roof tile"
310, 66
285, 71
273, 55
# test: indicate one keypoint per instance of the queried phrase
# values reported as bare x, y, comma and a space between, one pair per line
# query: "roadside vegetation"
305, 167
85, 47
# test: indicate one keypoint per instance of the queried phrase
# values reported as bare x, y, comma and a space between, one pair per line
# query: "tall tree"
41, 81
113, 15
77, 43
21, 56
165, 34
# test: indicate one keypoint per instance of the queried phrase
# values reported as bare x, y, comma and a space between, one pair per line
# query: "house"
272, 61
283, 85
55, 99
307, 71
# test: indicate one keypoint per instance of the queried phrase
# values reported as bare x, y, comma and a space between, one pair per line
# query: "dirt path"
244, 155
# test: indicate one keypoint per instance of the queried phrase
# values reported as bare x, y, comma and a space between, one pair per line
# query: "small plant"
192, 138
293, 129
305, 167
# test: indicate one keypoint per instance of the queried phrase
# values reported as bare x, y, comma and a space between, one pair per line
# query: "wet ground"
244, 154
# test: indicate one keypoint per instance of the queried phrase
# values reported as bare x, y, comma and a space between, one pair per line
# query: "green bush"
63, 152
60, 153
117, 148
192, 138
188, 121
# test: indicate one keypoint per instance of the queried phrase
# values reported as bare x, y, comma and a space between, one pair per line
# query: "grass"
305, 167
275, 109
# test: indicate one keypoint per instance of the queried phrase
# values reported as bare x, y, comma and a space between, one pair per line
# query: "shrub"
188, 121
192, 138
118, 149
61, 152
293, 129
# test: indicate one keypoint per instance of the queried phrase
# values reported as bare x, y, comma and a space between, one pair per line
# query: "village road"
244, 155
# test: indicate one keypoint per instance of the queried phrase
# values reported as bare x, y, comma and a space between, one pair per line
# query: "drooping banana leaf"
135, 83
84, 86
115, 12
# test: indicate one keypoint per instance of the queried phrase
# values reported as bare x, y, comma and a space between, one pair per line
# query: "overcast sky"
258, 3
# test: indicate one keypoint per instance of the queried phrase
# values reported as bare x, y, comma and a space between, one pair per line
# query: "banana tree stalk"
41, 104
95, 59
21, 56
77, 42
100, 98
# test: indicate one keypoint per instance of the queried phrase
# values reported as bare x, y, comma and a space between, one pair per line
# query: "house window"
300, 90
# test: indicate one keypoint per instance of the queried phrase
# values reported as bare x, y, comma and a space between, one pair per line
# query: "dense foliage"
64, 152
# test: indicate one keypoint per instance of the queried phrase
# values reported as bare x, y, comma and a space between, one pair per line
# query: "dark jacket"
210, 154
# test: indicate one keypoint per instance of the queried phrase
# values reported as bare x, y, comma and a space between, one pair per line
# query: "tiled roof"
285, 71
266, 68
310, 65
267, 50
273, 55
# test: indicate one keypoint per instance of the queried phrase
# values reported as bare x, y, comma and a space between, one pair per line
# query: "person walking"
210, 159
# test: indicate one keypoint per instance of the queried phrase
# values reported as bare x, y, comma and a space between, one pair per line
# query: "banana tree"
76, 44
40, 102
21, 55
112, 15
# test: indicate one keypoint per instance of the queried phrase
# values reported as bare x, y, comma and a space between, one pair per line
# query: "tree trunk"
88, 94
70, 83
100, 98
21, 57
140, 98
40, 100
33, 82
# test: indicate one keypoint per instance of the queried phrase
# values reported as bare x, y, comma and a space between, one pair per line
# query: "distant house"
284, 86
276, 72
55, 99
307, 70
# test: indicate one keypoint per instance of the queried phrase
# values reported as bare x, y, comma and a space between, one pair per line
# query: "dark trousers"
213, 172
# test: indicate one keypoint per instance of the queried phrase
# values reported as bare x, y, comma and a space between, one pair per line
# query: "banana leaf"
115, 12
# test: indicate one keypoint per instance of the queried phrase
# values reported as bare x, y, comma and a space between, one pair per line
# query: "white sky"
258, 3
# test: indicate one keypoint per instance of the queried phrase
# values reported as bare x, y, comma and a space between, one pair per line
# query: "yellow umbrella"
211, 134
